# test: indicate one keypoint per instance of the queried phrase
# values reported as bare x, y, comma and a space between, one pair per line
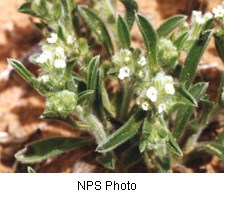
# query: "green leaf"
123, 32
150, 39
92, 76
214, 149
207, 106
164, 163
46, 148
192, 60
181, 40
30, 170
98, 27
170, 24
107, 161
28, 76
131, 156
84, 95
219, 42
127, 131
26, 8
220, 98
173, 146
21, 69
185, 112
186, 94
146, 131
131, 7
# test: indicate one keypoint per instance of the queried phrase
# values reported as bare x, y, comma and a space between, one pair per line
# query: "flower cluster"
157, 95
129, 64
219, 12
168, 54
61, 103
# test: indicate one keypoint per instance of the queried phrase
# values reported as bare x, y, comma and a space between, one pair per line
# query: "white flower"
145, 105
44, 57
218, 11
169, 88
124, 72
208, 16
127, 59
44, 78
60, 63
59, 50
151, 93
200, 20
142, 61
141, 74
69, 39
161, 108
53, 39
197, 17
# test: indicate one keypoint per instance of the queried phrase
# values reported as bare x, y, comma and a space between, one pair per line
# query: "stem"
127, 96
95, 125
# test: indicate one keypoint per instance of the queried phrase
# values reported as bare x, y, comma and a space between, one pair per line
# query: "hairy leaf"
84, 95
181, 40
186, 94
92, 77
170, 24
46, 148
150, 39
185, 112
190, 65
97, 26
26, 8
131, 7
123, 32
107, 161
127, 131
219, 42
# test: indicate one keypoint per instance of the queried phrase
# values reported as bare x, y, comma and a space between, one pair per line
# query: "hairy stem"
95, 125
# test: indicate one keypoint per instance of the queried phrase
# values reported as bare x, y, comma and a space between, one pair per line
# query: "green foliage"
97, 26
170, 24
144, 116
43, 149
150, 39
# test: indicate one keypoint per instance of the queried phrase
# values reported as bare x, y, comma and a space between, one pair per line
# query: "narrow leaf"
131, 156
93, 76
127, 131
219, 42
170, 24
181, 40
26, 8
185, 112
173, 146
192, 60
43, 149
150, 39
84, 95
123, 32
107, 161
21, 69
131, 7
97, 26
186, 94
30, 170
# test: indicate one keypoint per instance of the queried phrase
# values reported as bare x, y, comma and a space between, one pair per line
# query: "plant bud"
168, 54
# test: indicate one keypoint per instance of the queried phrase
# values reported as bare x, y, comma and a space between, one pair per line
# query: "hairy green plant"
158, 112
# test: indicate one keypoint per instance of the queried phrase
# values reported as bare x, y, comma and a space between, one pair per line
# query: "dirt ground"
21, 106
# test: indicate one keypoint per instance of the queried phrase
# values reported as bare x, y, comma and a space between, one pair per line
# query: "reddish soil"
21, 106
